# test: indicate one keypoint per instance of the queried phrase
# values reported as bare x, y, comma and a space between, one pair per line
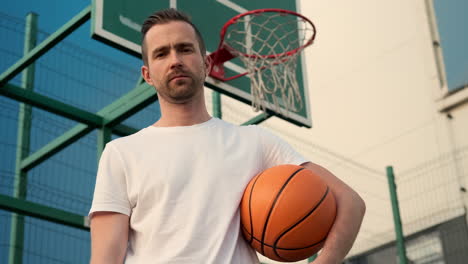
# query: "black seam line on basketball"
250, 206
298, 222
268, 245
273, 206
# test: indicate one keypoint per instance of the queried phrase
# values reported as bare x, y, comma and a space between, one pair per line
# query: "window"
447, 20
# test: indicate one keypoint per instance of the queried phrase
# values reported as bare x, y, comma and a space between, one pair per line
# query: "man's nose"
175, 59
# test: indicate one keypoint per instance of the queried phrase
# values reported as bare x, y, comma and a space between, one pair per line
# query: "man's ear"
146, 75
208, 62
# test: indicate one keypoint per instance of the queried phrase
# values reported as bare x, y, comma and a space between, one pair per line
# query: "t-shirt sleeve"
110, 192
276, 151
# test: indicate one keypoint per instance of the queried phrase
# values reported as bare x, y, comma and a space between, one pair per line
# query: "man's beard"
183, 90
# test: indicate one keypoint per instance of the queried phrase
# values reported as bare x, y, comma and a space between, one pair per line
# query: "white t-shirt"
181, 187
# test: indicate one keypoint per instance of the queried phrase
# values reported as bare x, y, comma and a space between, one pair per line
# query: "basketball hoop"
268, 42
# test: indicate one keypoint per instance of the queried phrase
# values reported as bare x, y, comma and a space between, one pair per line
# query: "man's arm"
109, 237
349, 215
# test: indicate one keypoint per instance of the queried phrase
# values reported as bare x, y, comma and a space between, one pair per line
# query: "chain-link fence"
80, 78
431, 200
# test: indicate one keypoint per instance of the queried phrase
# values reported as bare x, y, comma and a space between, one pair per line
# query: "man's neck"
188, 114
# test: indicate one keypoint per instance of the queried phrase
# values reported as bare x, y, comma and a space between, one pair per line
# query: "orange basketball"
287, 212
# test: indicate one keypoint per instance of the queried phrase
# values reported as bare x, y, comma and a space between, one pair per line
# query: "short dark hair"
163, 17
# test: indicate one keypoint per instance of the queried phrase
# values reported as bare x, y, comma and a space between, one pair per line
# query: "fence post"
217, 109
312, 258
396, 216
23, 143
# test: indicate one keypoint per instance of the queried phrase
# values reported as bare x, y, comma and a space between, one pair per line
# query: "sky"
55, 13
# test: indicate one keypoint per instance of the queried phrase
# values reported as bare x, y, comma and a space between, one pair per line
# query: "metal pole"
217, 111
23, 144
45, 45
258, 119
312, 258
43, 212
396, 216
104, 136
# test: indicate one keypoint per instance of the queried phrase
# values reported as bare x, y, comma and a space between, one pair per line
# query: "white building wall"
375, 97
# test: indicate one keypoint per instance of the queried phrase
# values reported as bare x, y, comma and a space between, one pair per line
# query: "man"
170, 193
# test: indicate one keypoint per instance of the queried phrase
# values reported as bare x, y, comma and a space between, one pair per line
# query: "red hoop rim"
267, 10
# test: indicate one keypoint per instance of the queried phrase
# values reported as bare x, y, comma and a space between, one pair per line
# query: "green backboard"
118, 23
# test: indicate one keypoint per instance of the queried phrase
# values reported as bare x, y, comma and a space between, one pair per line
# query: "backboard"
118, 23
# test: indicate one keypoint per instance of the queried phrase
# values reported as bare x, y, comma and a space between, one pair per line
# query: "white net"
269, 45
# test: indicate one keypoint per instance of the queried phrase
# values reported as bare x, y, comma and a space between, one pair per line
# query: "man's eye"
158, 55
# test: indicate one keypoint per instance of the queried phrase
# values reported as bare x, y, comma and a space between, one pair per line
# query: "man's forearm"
109, 237
348, 220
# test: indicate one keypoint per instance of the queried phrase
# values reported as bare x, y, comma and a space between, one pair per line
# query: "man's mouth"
178, 76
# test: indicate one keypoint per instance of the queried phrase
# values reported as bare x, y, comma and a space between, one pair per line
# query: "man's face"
175, 65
